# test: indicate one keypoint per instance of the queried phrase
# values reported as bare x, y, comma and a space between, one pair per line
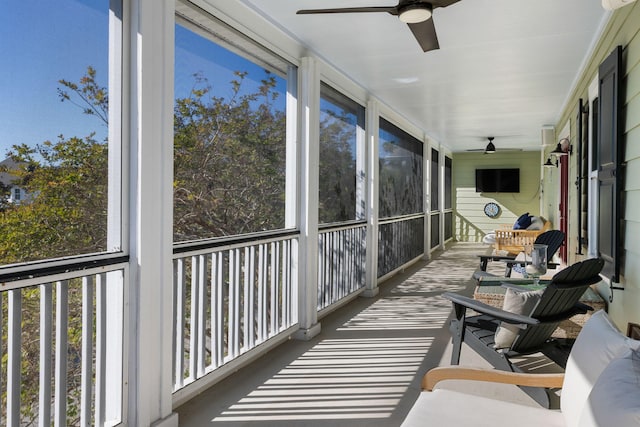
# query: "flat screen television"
497, 180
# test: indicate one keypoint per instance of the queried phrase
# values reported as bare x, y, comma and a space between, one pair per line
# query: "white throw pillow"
615, 398
518, 303
536, 223
598, 343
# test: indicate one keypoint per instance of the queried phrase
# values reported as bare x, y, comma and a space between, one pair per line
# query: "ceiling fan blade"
425, 33
442, 3
390, 9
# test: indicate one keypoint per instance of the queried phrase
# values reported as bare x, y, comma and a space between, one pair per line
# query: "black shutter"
609, 158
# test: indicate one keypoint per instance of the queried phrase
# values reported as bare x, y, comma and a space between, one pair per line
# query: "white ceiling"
505, 67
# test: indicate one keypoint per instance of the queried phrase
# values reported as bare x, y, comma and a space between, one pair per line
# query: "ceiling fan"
417, 14
491, 148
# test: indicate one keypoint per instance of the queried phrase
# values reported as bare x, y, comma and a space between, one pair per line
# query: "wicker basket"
494, 296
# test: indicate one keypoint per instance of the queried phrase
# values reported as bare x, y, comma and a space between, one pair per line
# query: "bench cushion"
443, 407
597, 345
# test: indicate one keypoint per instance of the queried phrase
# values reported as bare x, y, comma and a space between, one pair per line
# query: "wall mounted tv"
497, 180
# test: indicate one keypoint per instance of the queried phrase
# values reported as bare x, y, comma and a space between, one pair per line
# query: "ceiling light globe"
414, 13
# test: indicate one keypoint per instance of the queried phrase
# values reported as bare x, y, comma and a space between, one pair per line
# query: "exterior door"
564, 204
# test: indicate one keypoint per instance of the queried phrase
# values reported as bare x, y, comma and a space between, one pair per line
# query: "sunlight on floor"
337, 379
364, 369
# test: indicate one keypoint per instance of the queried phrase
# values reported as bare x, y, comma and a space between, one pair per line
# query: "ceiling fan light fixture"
414, 13
490, 148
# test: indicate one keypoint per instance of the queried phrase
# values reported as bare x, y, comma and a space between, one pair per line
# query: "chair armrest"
498, 313
436, 375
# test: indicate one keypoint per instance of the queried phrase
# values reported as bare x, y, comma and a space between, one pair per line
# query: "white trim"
151, 210
309, 101
592, 212
372, 124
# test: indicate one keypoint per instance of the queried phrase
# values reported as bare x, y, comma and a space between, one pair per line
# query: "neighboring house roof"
7, 178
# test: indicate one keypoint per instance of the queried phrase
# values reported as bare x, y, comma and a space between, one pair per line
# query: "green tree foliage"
66, 183
229, 161
67, 210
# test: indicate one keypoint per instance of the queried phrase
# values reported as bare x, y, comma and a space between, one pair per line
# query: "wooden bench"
514, 241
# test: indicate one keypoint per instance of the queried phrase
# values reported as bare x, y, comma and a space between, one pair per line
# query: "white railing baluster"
201, 316
14, 361
62, 345
86, 397
101, 350
46, 329
234, 302
250, 328
194, 332
220, 344
274, 289
179, 301
245, 303
262, 300
286, 282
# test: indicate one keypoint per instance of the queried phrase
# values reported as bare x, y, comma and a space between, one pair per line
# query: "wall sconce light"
563, 148
550, 164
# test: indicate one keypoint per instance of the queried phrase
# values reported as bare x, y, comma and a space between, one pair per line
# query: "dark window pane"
435, 180
448, 225
435, 230
400, 172
341, 124
447, 182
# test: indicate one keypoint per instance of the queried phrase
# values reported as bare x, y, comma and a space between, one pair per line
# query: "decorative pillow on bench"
615, 398
522, 222
597, 345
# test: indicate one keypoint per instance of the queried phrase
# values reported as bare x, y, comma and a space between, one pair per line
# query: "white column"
309, 186
151, 212
441, 186
373, 172
426, 159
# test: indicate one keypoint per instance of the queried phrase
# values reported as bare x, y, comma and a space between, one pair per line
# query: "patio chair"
530, 330
552, 238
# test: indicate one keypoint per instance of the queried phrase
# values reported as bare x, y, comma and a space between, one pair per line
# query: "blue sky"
195, 54
42, 41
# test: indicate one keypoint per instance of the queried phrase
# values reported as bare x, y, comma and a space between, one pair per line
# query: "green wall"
622, 29
471, 224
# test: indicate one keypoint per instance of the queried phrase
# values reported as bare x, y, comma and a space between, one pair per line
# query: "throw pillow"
614, 400
536, 223
598, 343
518, 303
522, 222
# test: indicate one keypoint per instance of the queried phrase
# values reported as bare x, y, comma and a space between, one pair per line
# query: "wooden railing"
62, 332
229, 297
341, 262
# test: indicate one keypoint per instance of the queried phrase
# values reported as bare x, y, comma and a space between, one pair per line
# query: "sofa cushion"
443, 407
518, 303
615, 398
598, 343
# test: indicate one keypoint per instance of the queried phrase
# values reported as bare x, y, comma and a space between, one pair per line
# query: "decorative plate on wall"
491, 210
